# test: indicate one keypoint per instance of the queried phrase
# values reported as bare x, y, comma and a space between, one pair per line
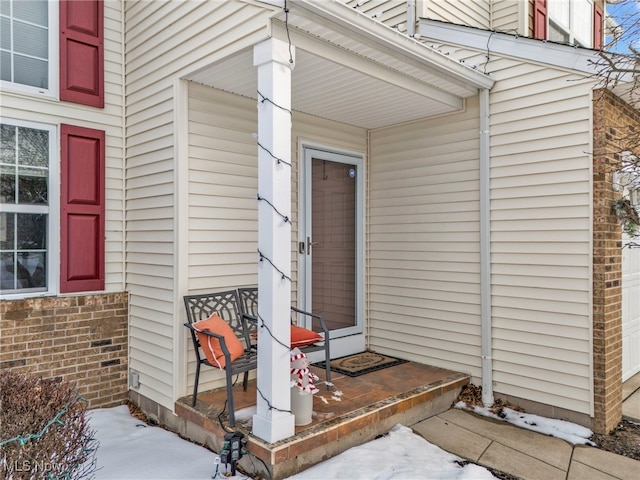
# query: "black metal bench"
227, 306
249, 304
239, 309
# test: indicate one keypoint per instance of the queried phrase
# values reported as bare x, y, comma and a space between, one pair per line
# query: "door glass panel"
333, 247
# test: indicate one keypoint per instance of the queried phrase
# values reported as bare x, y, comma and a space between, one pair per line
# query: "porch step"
370, 405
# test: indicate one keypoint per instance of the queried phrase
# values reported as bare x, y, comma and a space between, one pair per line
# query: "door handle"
310, 244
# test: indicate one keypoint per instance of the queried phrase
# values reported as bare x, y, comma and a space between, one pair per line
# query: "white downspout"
485, 253
411, 17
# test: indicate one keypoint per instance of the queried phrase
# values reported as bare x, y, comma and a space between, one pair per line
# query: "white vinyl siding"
223, 212
487, 14
389, 12
223, 182
473, 13
541, 232
165, 41
541, 245
423, 238
36, 108
505, 15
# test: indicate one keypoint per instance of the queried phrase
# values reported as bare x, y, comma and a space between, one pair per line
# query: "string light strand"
263, 257
22, 440
284, 217
277, 159
263, 324
271, 407
268, 100
488, 54
286, 26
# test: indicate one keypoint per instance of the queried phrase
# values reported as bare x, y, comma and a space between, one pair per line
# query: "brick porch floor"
370, 405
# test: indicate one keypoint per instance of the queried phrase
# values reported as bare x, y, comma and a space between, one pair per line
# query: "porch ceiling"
352, 69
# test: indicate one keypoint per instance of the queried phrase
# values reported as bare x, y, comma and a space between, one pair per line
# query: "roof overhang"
530, 49
351, 24
585, 61
353, 69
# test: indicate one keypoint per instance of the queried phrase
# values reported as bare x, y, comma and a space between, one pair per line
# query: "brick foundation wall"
82, 339
612, 120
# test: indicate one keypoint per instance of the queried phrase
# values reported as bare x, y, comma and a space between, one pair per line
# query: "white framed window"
571, 21
29, 203
29, 46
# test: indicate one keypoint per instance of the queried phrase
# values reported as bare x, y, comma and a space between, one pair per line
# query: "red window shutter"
82, 209
598, 38
540, 19
82, 52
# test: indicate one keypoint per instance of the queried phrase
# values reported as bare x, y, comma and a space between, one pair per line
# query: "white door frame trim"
308, 149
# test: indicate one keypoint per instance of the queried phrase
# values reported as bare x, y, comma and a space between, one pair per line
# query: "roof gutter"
493, 42
353, 23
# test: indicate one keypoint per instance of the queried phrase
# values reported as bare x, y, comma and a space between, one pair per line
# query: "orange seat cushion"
301, 337
211, 345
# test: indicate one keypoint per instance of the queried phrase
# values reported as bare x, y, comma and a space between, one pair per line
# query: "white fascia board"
363, 65
539, 51
275, 3
349, 21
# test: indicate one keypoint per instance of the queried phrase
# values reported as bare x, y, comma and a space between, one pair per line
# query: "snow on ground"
400, 454
570, 432
131, 450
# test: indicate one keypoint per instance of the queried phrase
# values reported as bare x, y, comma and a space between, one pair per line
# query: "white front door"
330, 246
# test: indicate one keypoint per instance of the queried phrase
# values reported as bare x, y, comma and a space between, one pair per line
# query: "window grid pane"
22, 252
582, 17
24, 180
25, 42
560, 12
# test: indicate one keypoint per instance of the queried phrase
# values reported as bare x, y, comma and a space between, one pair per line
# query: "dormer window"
575, 22
571, 21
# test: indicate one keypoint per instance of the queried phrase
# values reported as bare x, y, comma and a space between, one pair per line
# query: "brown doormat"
361, 363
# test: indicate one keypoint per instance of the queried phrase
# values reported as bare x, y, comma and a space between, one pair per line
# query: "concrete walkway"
521, 452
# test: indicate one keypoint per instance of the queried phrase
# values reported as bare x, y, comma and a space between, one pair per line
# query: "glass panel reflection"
33, 147
7, 231
32, 186
23, 258
32, 232
30, 269
8, 272
7, 144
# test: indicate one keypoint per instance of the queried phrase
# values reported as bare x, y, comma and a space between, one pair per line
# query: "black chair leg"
328, 367
195, 386
245, 381
232, 413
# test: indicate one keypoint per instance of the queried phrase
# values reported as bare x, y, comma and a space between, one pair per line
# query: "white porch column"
273, 421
